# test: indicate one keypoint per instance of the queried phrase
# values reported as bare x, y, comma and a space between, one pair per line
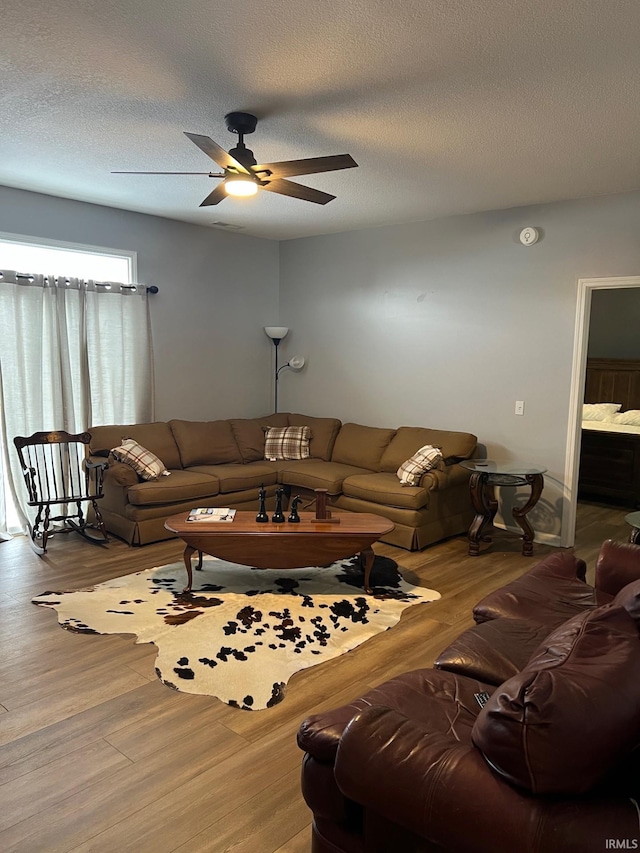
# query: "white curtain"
73, 354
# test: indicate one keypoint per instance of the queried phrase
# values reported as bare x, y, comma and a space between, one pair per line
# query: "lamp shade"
296, 362
276, 333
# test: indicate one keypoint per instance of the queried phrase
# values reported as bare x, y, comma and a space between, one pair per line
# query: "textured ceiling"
448, 106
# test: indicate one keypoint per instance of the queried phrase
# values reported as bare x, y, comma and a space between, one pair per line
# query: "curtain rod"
152, 289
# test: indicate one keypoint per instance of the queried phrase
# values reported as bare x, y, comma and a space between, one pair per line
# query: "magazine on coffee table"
210, 513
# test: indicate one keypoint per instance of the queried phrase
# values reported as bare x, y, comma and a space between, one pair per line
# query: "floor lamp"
277, 333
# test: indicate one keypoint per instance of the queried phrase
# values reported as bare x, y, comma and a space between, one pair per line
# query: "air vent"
227, 226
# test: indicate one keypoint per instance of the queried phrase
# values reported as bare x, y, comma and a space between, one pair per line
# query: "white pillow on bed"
631, 417
599, 411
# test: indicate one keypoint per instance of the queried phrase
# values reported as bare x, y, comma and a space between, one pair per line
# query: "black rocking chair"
57, 472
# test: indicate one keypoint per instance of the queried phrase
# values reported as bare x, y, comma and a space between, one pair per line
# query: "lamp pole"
276, 343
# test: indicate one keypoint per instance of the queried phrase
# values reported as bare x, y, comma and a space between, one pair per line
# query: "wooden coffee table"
281, 546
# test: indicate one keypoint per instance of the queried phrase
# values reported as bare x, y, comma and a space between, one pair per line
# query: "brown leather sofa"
221, 463
550, 764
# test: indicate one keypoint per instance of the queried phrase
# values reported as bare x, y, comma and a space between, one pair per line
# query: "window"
25, 255
105, 335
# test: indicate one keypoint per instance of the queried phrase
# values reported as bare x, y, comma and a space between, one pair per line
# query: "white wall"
447, 323
217, 291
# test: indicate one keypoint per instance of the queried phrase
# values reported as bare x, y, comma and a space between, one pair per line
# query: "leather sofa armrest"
319, 735
431, 784
444, 791
452, 475
617, 565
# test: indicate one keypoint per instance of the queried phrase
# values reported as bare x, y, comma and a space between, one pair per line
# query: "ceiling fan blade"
308, 166
216, 196
217, 154
297, 191
209, 174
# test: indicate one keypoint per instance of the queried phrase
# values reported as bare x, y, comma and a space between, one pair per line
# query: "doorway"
586, 286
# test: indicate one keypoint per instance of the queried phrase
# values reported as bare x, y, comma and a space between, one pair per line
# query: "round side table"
485, 475
634, 520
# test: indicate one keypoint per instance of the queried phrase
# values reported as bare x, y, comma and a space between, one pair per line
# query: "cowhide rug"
243, 633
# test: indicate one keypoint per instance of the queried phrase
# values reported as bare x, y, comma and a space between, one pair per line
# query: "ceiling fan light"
239, 185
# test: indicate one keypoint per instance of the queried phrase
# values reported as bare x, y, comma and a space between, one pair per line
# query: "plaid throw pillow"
287, 442
145, 463
423, 460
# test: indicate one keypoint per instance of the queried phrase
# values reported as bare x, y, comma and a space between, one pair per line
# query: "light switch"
519, 407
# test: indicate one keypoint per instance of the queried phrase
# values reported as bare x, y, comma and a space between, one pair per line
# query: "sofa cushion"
386, 490
156, 437
145, 463
317, 474
563, 722
361, 446
453, 445
288, 443
180, 486
249, 434
402, 446
238, 477
423, 460
493, 651
323, 434
549, 593
205, 442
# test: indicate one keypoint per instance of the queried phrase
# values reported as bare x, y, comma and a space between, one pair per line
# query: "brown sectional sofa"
221, 463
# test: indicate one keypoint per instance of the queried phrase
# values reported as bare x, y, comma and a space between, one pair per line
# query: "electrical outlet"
519, 407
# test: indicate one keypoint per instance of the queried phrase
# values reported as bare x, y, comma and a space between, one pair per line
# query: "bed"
610, 449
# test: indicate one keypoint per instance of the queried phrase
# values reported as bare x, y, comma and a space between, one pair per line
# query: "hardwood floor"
97, 755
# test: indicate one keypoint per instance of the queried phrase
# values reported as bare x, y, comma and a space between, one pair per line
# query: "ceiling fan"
242, 176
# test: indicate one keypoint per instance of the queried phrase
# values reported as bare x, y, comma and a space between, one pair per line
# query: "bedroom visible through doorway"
586, 289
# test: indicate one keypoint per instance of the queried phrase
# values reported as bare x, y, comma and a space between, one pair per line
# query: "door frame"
586, 286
